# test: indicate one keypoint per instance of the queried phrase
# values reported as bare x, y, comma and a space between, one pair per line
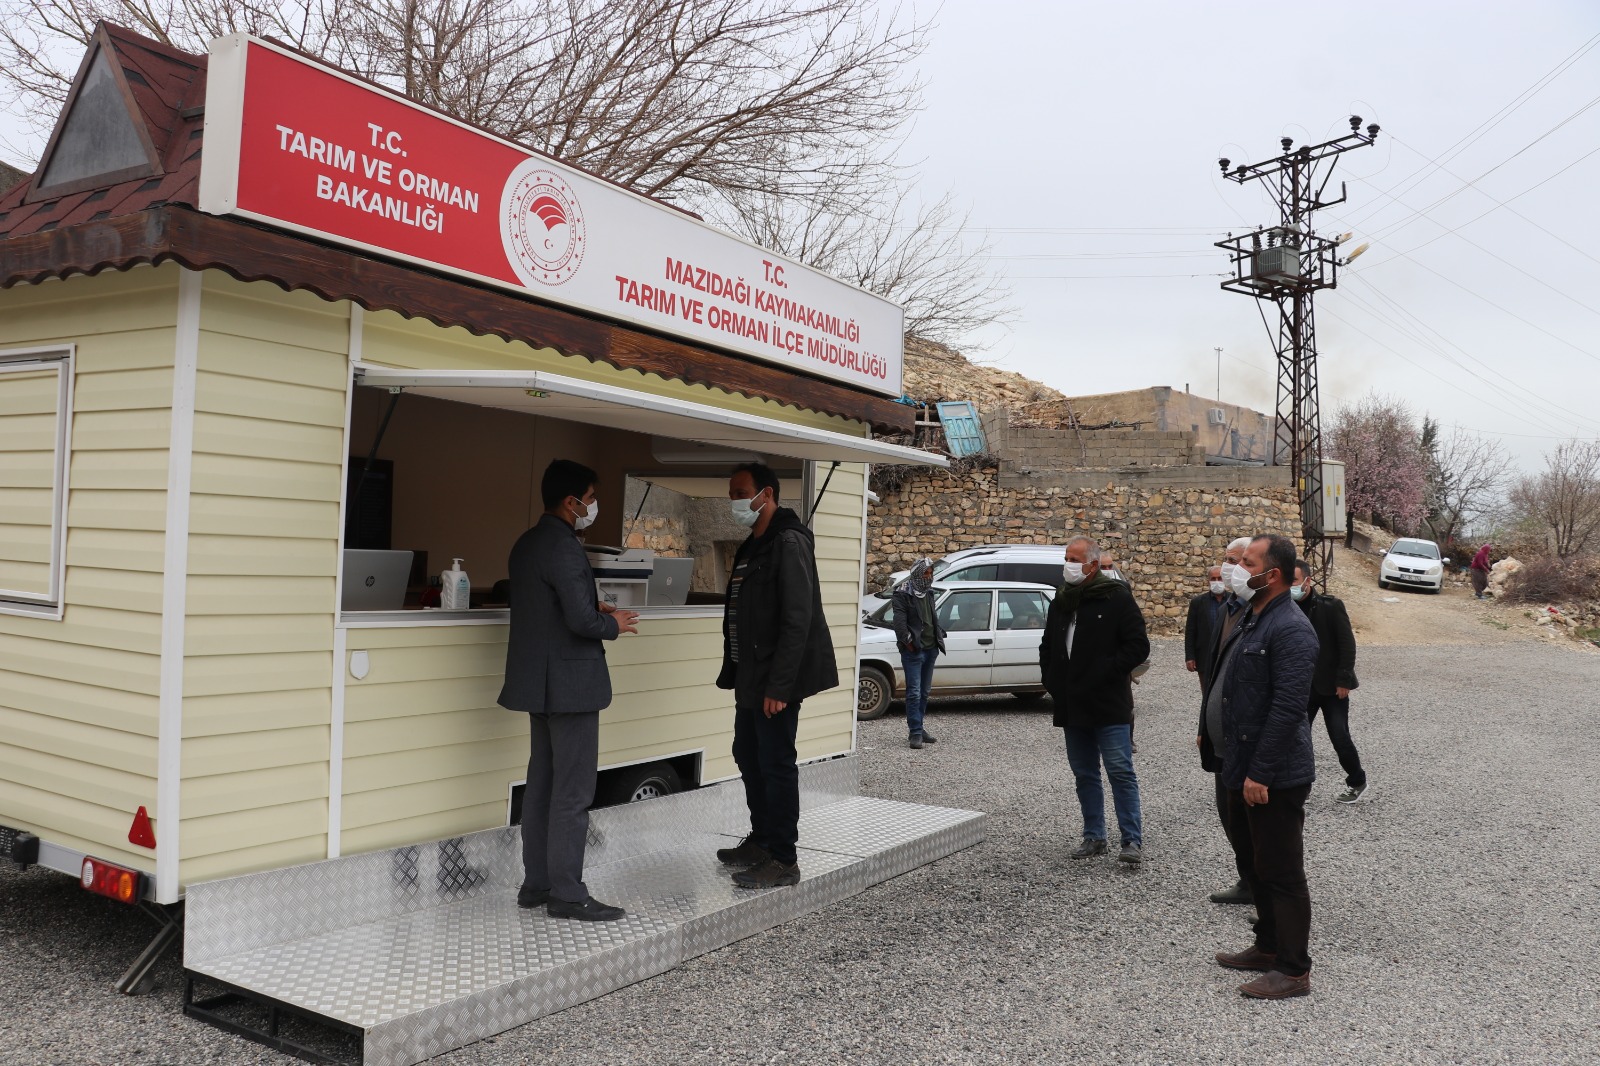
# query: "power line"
1483, 128
1506, 203
1402, 356
1527, 322
1547, 409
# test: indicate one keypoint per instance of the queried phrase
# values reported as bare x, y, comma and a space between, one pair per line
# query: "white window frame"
21, 360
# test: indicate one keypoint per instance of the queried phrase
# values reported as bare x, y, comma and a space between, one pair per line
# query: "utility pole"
1219, 373
1284, 265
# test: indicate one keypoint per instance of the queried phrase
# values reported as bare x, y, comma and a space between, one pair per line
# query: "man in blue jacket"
1257, 737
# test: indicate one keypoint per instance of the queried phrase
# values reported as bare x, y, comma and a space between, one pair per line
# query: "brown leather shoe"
1276, 985
1251, 958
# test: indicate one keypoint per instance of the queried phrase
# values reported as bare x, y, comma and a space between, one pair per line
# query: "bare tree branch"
1565, 497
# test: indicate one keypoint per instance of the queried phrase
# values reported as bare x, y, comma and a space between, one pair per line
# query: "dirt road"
1401, 617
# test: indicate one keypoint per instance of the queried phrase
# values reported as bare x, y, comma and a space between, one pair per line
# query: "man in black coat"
1335, 677
1094, 636
1200, 629
1257, 738
776, 651
556, 673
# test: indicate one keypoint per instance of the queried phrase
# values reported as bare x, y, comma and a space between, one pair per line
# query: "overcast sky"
1085, 136
1085, 139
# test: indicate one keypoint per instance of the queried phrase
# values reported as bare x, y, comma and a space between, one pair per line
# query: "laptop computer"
374, 580
669, 584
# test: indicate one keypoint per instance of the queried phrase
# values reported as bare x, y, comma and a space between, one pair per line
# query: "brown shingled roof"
168, 90
154, 218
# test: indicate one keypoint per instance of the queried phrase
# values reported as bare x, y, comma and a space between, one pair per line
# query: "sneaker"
1131, 853
1352, 794
1240, 893
770, 874
1090, 846
916, 741
746, 853
589, 910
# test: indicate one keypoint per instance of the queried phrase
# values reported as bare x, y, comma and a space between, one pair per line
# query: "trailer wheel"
874, 693
631, 784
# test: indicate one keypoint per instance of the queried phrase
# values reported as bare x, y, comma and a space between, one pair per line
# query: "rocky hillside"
935, 372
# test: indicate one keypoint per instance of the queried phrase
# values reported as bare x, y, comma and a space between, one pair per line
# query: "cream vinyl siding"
827, 724
31, 444
78, 697
263, 546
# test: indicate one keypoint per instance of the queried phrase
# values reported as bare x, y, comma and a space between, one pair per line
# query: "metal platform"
423, 949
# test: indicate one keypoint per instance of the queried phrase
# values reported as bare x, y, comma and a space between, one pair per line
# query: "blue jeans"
1086, 749
919, 678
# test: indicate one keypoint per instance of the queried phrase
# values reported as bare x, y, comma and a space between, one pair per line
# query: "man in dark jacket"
1257, 737
1094, 636
1231, 611
920, 639
1335, 676
556, 672
776, 651
1200, 629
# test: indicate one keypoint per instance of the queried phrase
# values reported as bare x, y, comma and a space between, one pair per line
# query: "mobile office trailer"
203, 354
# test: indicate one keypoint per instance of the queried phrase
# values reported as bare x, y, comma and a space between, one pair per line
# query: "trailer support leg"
140, 976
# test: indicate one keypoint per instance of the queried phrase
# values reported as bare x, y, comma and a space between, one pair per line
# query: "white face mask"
745, 513
1073, 573
1218, 588
1240, 583
586, 519
1227, 574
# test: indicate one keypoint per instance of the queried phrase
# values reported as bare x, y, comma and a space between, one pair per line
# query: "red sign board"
300, 145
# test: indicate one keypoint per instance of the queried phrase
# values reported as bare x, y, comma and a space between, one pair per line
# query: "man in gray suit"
556, 672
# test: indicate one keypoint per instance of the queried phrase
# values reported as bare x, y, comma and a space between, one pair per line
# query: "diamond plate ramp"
423, 949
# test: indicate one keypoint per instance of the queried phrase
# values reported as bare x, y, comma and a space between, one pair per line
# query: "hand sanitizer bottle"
456, 594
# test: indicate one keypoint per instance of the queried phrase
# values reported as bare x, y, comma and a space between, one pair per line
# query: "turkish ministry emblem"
541, 224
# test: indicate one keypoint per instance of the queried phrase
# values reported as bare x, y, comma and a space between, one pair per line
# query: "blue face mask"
1297, 593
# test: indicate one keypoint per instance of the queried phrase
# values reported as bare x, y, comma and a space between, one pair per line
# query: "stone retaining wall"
1164, 526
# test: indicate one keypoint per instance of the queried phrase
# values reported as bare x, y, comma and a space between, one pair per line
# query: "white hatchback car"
992, 635
1413, 562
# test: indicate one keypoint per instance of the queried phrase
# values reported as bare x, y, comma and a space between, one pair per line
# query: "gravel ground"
1454, 910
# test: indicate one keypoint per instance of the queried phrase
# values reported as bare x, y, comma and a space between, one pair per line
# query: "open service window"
35, 413
447, 465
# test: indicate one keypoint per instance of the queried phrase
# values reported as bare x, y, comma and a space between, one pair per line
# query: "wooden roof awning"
254, 253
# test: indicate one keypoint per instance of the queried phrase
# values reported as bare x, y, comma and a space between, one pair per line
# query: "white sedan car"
1412, 562
992, 634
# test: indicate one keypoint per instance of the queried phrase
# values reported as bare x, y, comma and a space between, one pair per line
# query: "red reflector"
142, 833
116, 882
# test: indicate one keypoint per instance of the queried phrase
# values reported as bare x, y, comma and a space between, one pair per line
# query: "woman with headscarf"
1480, 572
917, 632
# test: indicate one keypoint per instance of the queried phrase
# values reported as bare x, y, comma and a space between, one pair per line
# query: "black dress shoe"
929, 738
746, 853
1239, 893
770, 874
532, 897
1090, 846
590, 910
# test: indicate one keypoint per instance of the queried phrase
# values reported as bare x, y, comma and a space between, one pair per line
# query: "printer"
622, 575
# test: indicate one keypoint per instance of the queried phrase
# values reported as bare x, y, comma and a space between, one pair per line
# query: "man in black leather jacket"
1256, 734
776, 651
1335, 678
